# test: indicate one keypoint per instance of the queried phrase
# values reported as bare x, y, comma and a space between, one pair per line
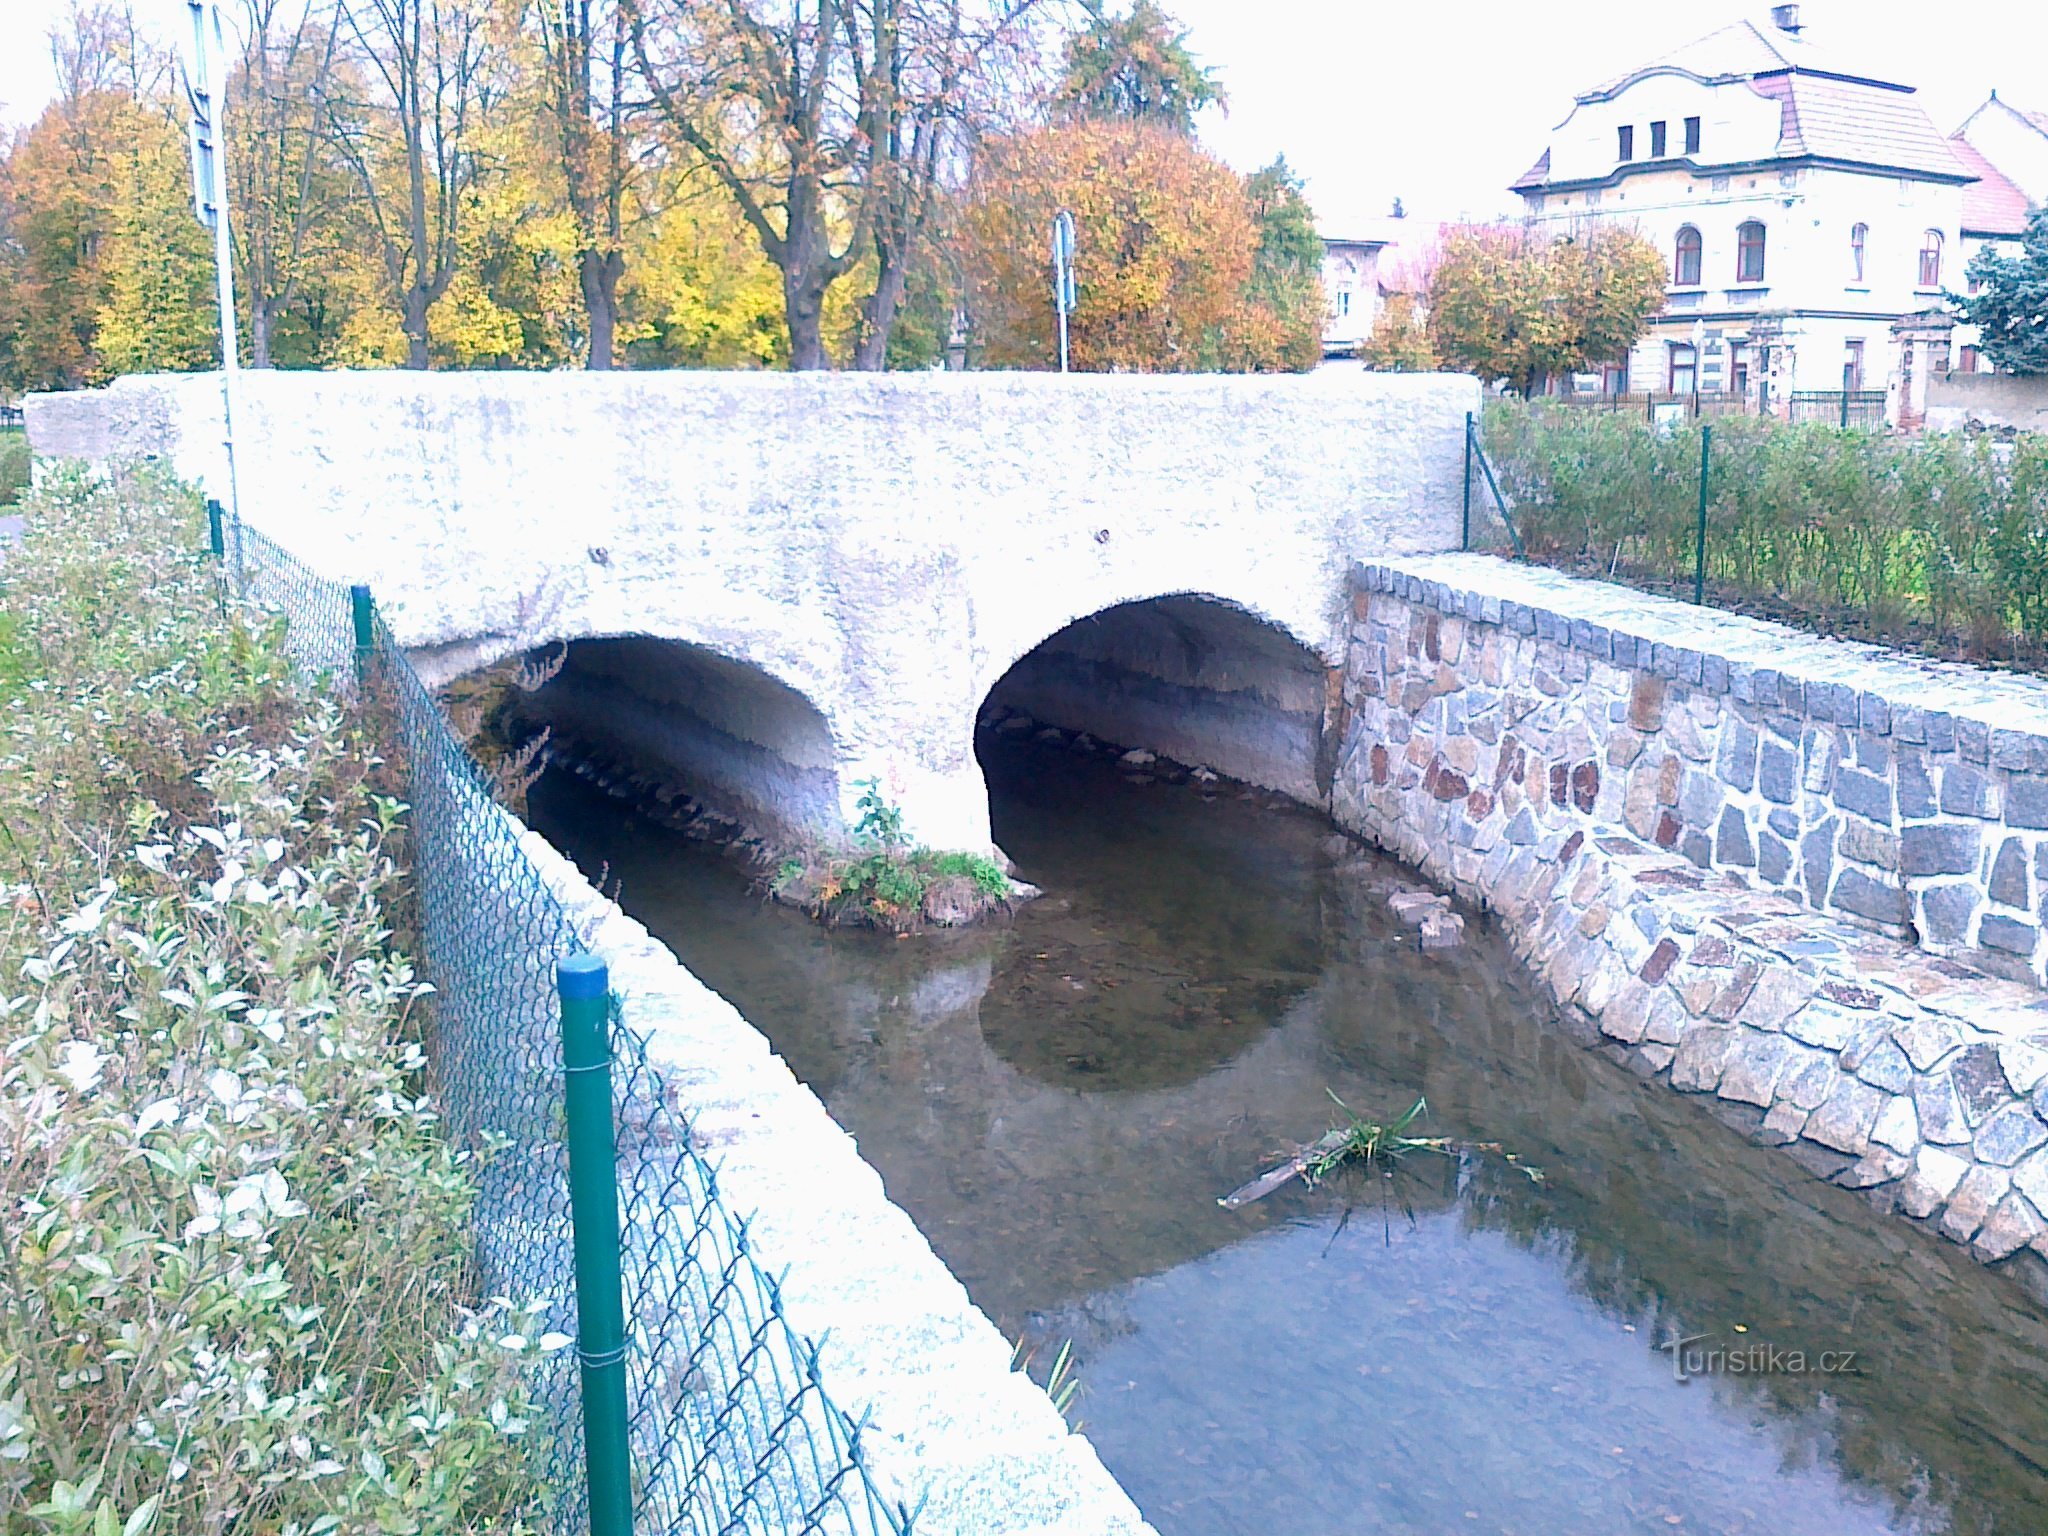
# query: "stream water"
1060, 1101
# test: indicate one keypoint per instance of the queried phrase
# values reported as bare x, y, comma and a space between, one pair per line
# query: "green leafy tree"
1138, 68
2010, 305
159, 315
1284, 300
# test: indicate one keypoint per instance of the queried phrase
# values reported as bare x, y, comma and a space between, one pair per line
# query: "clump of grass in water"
1366, 1145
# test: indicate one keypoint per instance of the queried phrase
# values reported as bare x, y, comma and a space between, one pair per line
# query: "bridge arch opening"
684, 720
1193, 678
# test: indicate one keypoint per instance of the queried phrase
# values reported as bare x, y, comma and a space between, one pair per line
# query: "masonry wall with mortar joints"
1720, 866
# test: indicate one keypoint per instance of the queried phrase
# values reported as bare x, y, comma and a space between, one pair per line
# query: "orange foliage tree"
1166, 243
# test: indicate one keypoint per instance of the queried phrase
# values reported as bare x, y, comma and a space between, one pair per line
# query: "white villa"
1805, 210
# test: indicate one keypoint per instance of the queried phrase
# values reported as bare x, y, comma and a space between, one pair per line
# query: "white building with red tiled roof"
1803, 209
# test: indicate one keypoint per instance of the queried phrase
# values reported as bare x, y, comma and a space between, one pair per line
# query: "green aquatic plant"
1062, 1382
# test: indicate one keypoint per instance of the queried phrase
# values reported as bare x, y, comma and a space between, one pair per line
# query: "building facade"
1803, 209
1351, 283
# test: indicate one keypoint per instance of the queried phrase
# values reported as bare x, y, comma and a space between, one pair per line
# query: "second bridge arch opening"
1192, 678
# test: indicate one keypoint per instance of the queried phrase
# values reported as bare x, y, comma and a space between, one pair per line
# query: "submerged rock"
1138, 757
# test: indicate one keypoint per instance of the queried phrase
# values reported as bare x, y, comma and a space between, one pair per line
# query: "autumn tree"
1284, 300
159, 314
1137, 68
431, 71
829, 124
288, 190
1519, 305
1166, 246
593, 114
1399, 341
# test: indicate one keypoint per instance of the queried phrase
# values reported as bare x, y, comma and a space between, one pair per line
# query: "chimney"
1786, 18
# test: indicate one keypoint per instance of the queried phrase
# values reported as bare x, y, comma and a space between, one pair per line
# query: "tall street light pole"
206, 72
1063, 275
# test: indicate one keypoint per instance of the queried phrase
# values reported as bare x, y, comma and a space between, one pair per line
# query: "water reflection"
1059, 1103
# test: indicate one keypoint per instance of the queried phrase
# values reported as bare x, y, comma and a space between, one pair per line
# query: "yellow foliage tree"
159, 315
1166, 240
1399, 342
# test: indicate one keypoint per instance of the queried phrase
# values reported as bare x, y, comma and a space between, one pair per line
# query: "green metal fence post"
1699, 557
1845, 407
585, 989
1467, 544
216, 531
362, 612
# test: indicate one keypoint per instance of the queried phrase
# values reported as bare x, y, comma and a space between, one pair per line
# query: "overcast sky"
1439, 104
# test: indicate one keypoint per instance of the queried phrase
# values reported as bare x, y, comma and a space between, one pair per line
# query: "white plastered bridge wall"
886, 546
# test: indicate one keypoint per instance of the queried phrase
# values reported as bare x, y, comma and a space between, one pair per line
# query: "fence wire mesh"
732, 1431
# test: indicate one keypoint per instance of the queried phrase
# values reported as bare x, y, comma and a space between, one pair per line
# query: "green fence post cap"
582, 975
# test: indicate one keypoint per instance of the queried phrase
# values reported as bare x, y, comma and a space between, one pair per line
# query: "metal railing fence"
727, 1426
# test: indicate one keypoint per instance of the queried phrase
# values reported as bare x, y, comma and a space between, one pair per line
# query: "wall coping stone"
902, 1348
1835, 680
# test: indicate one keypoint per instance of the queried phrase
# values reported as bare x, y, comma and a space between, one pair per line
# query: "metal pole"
1699, 561
585, 990
216, 534
1845, 407
1467, 543
208, 59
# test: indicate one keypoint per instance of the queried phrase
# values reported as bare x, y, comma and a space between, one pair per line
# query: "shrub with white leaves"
234, 1247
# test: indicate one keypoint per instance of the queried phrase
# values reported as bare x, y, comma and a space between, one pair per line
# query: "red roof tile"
1992, 205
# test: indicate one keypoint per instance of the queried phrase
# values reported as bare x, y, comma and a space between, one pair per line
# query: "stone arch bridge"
776, 586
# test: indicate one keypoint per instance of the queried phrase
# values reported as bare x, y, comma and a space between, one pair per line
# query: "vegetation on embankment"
885, 881
14, 466
1939, 543
236, 1286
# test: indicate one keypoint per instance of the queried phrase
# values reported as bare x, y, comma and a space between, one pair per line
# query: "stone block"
1863, 843
1867, 897
2012, 1226
1753, 1066
1773, 859
1935, 1176
1973, 741
1885, 1066
1699, 802
1823, 1024
1697, 847
1702, 1056
1817, 859
1914, 786
1940, 1110
1979, 1079
2007, 1135
1822, 753
2012, 935
1864, 793
1844, 1120
2009, 874
1939, 848
1941, 731
2026, 802
1808, 1079
2011, 750
1898, 1127
1965, 791
1945, 912
1981, 1189
1874, 714
1925, 1039
1732, 844
1735, 760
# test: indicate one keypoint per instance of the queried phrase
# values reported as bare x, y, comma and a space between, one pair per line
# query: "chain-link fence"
730, 1428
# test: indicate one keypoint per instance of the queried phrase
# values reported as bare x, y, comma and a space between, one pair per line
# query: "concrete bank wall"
1713, 839
885, 546
903, 1348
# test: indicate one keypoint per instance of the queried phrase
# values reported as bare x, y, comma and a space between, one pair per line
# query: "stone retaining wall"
1715, 839
902, 1348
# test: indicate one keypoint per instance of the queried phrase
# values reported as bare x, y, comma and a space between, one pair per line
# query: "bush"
14, 467
1941, 540
237, 1281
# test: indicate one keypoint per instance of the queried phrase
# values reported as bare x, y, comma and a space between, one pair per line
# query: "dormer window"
1692, 135
1625, 141
1685, 263
1749, 253
1656, 141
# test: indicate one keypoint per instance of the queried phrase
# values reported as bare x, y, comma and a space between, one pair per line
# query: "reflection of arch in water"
726, 732
1193, 677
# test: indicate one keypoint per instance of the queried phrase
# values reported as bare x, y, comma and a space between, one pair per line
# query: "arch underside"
1192, 678
737, 741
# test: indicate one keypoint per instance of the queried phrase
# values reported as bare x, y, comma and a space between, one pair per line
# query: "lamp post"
1063, 275
206, 73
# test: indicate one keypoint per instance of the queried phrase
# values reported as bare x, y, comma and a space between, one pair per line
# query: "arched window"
1930, 259
1859, 236
1685, 265
1749, 253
